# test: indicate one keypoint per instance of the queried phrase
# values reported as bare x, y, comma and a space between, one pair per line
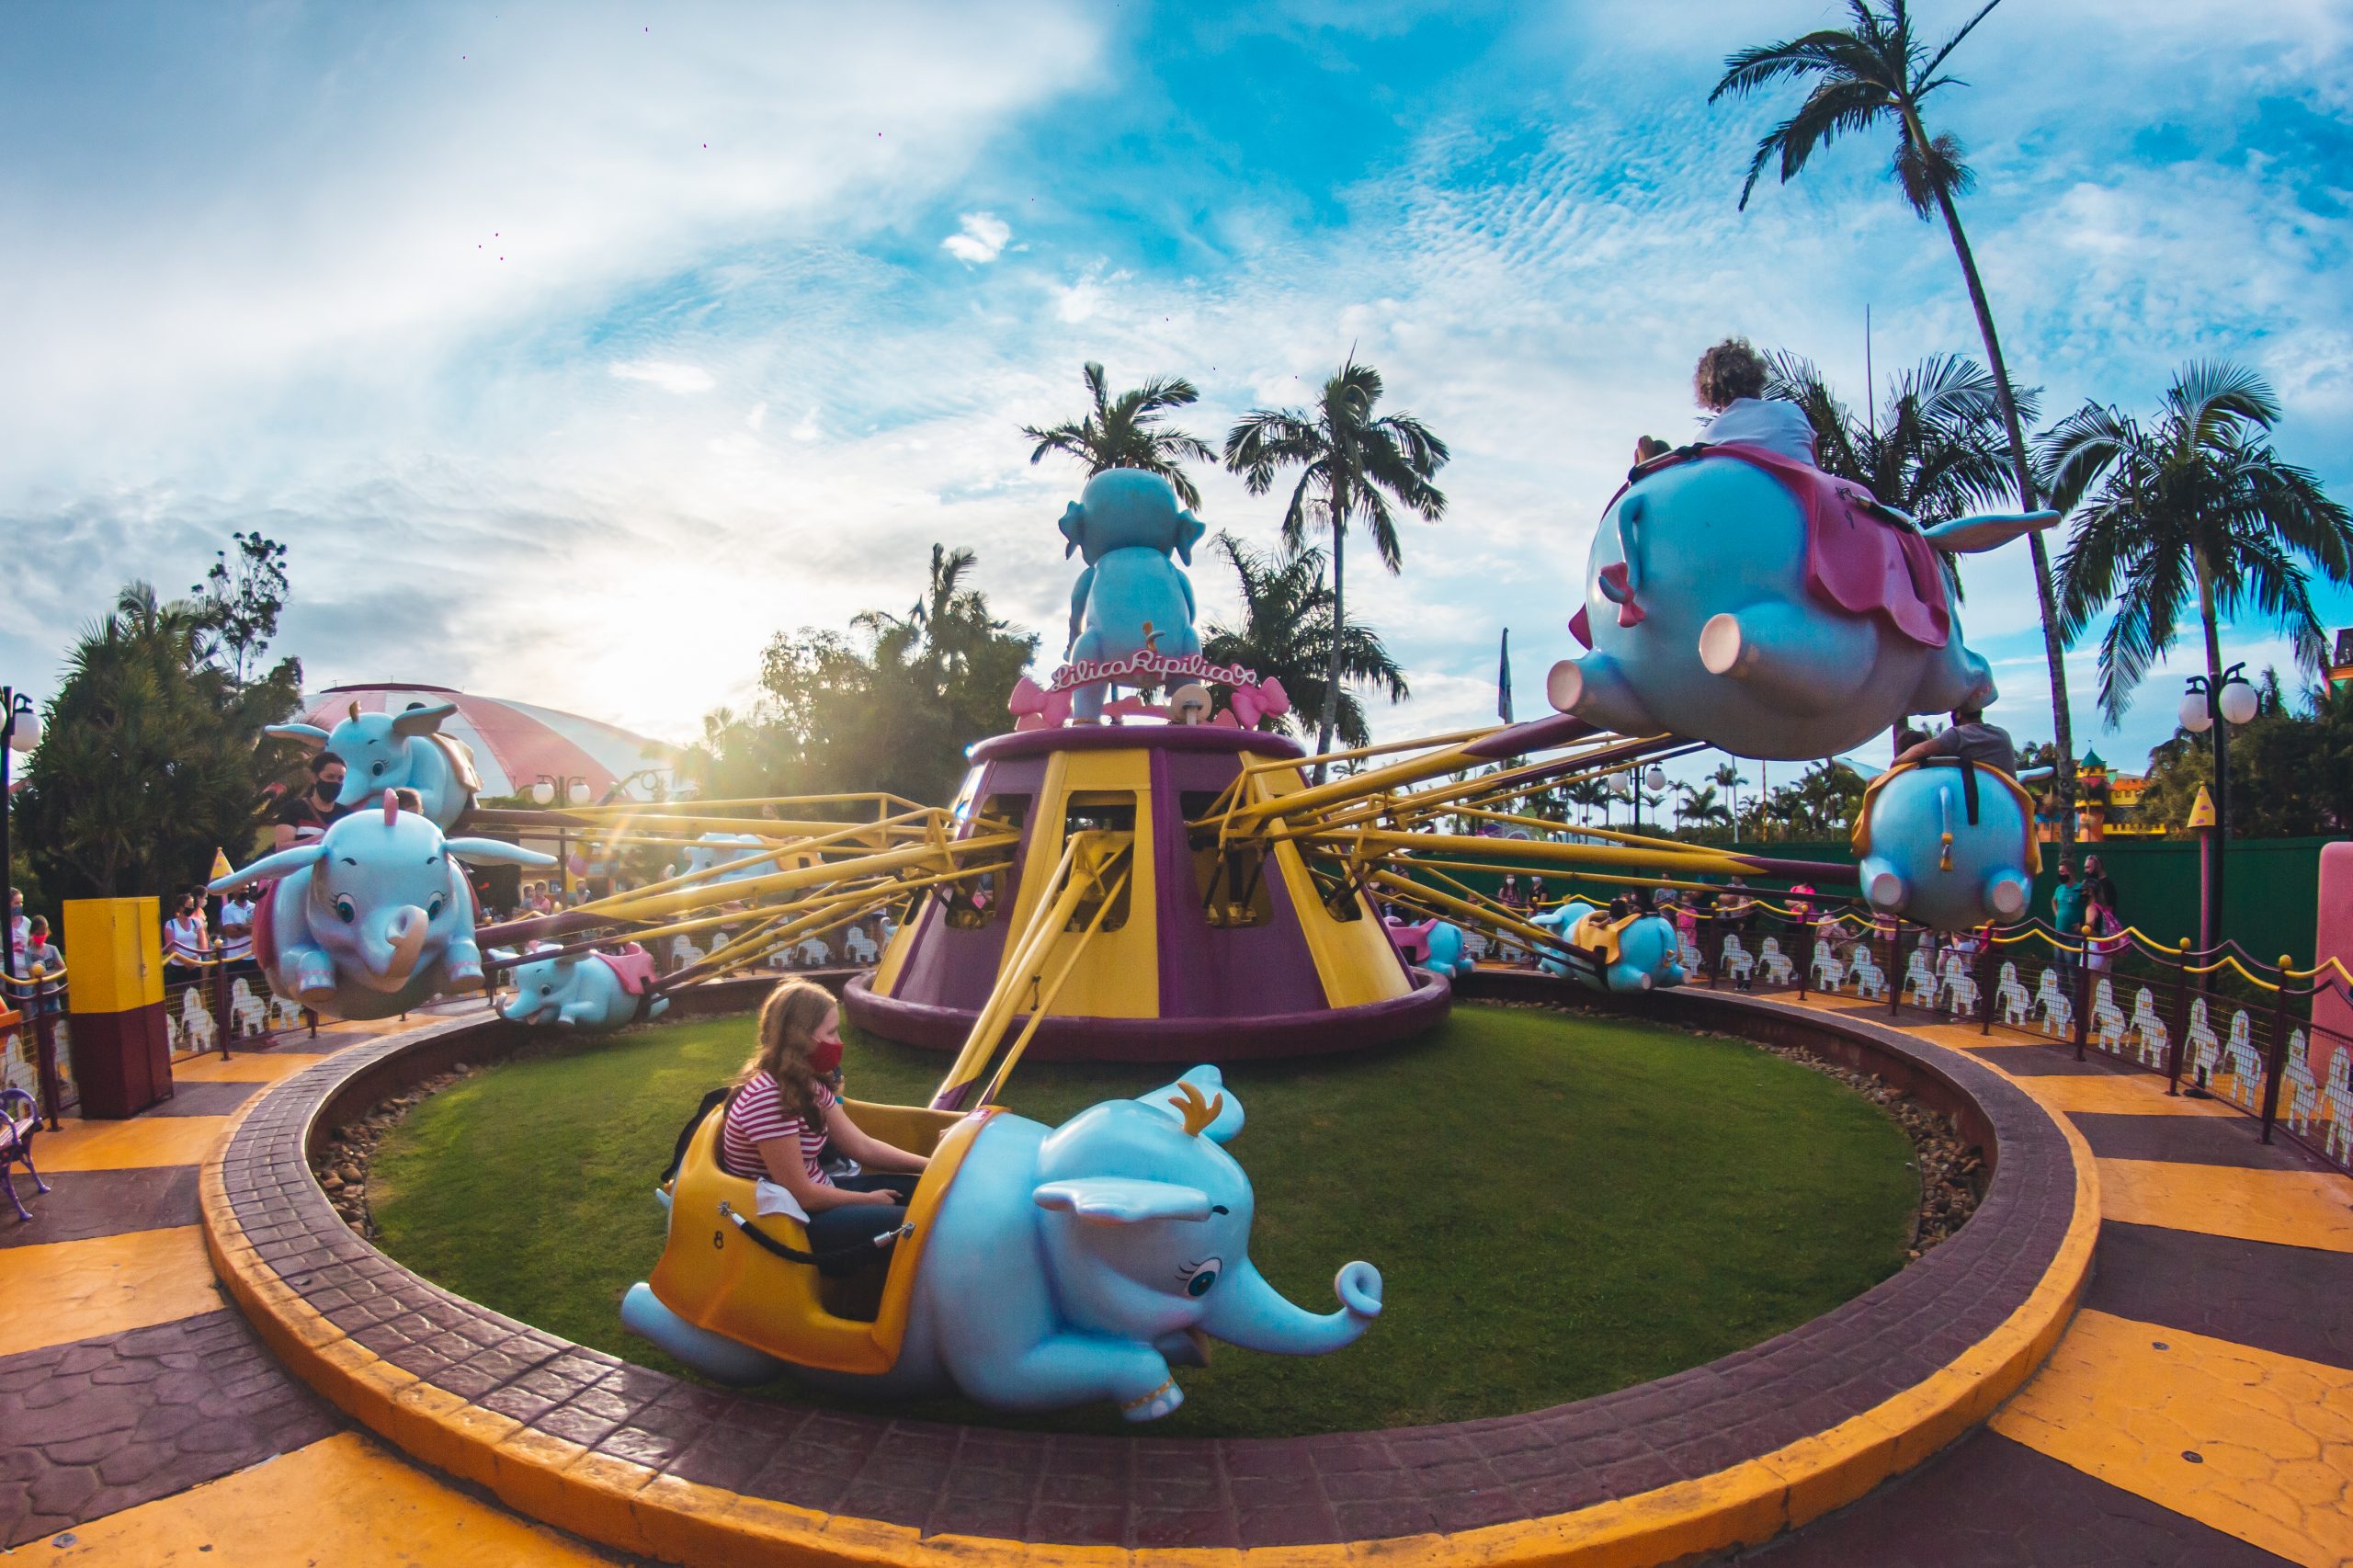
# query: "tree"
1873, 75
152, 754
1351, 466
1286, 633
2196, 507
1586, 793
1126, 432
2292, 771
1728, 779
239, 601
1700, 808
891, 709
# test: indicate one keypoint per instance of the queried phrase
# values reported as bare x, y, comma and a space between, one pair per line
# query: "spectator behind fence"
41, 952
307, 816
237, 929
183, 940
17, 932
2099, 885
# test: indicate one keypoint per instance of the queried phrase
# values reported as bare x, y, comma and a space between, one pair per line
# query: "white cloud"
980, 239
670, 378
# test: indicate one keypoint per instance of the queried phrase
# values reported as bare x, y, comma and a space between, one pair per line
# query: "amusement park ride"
1169, 886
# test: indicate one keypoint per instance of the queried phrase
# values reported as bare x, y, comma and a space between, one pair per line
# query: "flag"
221, 867
1502, 680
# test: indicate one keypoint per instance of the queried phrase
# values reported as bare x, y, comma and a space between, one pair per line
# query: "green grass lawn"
1559, 1206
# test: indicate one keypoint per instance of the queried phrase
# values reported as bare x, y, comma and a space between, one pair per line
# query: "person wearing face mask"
305, 817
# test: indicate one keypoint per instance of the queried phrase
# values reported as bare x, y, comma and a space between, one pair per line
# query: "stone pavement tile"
2119, 1093
1989, 1503
119, 1145
100, 1203
205, 1098
2255, 1445
2048, 1061
2306, 1208
66, 1290
385, 1511
2190, 1140
247, 1067
2291, 1301
104, 1423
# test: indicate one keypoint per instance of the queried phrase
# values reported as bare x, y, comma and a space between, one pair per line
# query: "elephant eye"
343, 907
1200, 1276
546, 990
377, 771
433, 909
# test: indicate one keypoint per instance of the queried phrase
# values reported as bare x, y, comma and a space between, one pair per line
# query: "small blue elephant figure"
1132, 597
1641, 952
398, 751
593, 993
1925, 855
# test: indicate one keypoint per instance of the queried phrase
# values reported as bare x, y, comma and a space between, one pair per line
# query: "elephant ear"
272, 868
1189, 529
423, 717
309, 735
493, 852
1123, 1200
1073, 527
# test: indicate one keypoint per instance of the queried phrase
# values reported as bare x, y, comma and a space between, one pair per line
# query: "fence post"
2276, 1059
2180, 1021
2083, 992
45, 1050
1805, 961
1985, 985
224, 1022
1716, 962
1894, 969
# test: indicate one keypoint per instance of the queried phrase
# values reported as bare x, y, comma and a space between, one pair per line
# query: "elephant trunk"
391, 950
1252, 1313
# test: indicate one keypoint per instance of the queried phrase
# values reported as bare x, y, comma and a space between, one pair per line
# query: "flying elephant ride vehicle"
1629, 953
1037, 1268
1948, 844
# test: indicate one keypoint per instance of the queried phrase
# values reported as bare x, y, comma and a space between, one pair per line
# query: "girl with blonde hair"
782, 1114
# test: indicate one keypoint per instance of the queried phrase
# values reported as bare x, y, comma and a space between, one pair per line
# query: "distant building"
2340, 664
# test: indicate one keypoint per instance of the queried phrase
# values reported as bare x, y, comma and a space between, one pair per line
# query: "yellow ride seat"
1599, 934
716, 1277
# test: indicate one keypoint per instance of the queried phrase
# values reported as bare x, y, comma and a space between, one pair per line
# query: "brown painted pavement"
99, 1434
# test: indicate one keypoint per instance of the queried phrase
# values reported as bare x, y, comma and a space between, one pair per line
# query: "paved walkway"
2199, 1411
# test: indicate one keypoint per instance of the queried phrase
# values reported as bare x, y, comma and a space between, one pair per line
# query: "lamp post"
2217, 705
20, 730
574, 791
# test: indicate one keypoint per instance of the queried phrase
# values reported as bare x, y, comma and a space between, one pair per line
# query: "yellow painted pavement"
2273, 1435
343, 1501
267, 1069
2297, 1208
55, 1292
126, 1145
2109, 1094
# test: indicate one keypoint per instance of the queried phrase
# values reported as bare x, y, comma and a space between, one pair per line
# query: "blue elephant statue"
373, 918
724, 849
1930, 852
1635, 952
1132, 597
593, 993
1738, 597
1045, 1268
1430, 944
398, 751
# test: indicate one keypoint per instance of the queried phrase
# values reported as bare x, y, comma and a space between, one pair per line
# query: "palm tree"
1584, 794
1126, 431
1727, 779
1872, 74
1286, 633
1350, 465
1700, 806
2198, 505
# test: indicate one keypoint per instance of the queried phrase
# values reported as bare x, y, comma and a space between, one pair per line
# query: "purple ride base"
1225, 995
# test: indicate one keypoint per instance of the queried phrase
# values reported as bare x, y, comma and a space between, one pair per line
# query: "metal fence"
2213, 1024
213, 1006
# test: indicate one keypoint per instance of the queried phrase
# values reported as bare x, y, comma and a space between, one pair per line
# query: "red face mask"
824, 1055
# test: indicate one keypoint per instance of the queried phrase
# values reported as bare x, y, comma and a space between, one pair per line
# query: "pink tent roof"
514, 742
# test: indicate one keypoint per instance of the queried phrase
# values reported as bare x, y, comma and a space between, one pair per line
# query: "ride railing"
215, 1003
2214, 1024
35, 1051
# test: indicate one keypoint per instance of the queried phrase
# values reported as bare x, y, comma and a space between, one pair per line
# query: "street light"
573, 789
20, 730
2207, 706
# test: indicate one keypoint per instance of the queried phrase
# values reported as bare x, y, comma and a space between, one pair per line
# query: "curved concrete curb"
1721, 1456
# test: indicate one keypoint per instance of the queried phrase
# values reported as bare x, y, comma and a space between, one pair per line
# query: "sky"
577, 349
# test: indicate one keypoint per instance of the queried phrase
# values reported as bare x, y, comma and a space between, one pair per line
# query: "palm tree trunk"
1332, 659
2054, 651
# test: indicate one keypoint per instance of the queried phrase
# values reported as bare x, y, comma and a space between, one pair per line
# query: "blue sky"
576, 349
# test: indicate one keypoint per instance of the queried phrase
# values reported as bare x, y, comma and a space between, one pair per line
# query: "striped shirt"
757, 1115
